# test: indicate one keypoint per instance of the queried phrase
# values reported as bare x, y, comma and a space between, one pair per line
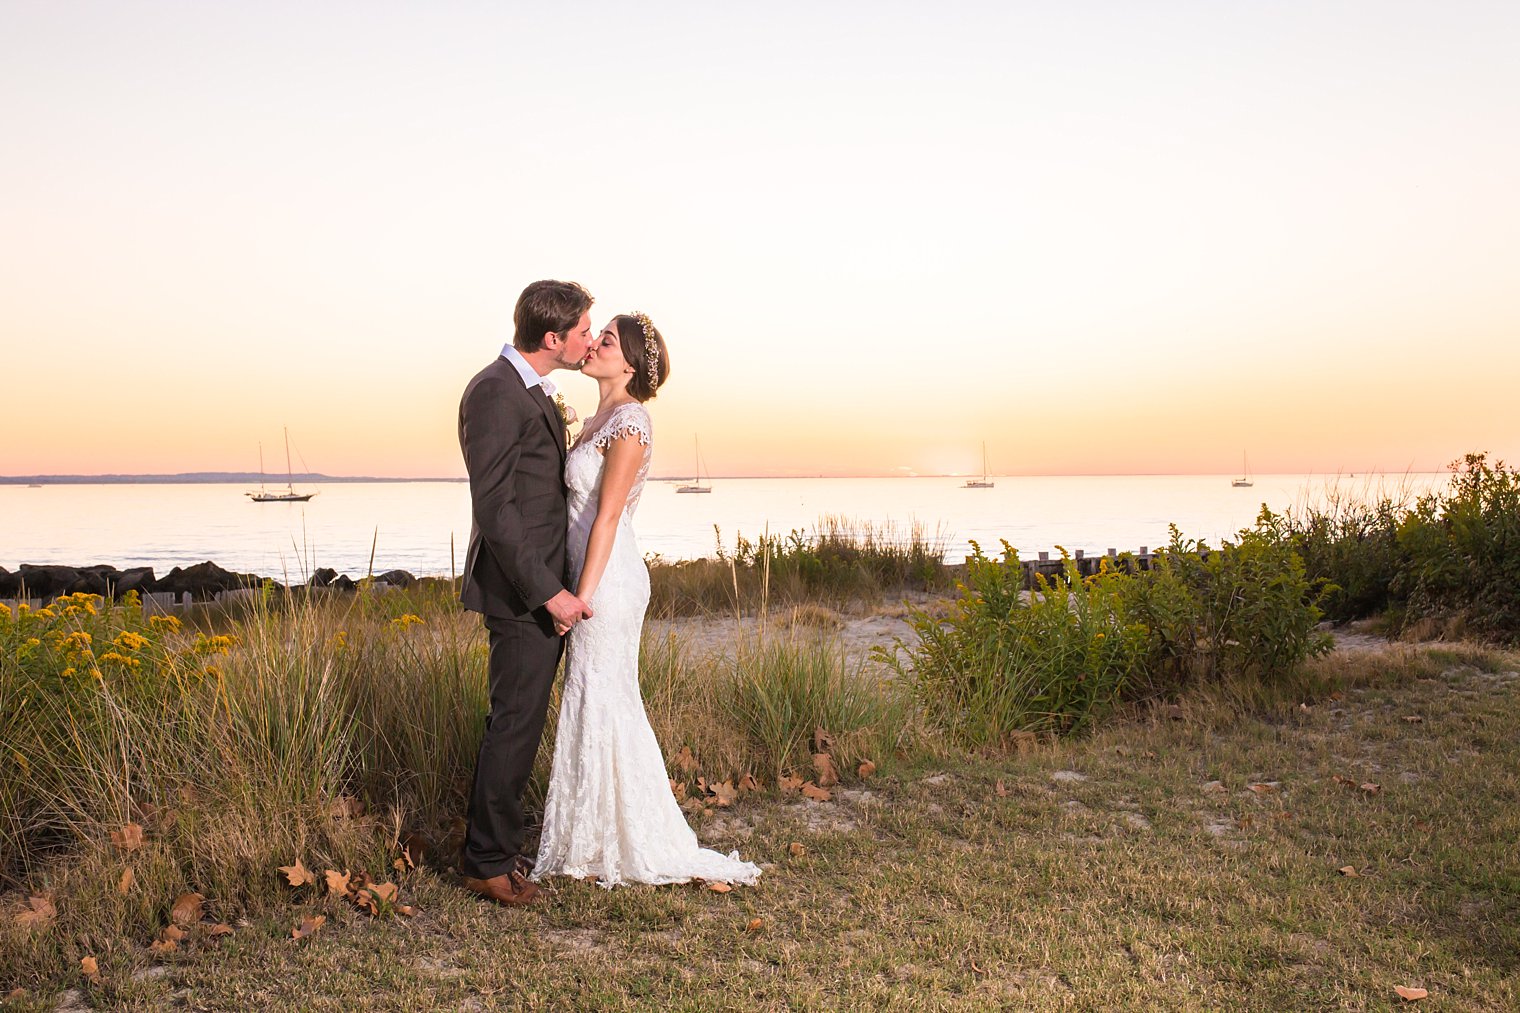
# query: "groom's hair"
544, 307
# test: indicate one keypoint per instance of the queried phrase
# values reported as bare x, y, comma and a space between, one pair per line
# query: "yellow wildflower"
170, 623
340, 641
5, 610
402, 622
66, 672
127, 640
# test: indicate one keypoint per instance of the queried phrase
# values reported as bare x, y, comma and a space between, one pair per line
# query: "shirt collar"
530, 377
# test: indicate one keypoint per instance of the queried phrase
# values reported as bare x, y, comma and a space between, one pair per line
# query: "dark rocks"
204, 580
397, 578
10, 584
138, 578
48, 581
323, 577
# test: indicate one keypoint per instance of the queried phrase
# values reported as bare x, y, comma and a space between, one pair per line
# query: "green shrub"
1007, 661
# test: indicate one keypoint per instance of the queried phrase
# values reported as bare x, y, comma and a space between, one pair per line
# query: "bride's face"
605, 358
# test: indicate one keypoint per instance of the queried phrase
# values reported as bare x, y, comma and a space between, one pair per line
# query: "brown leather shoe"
511, 889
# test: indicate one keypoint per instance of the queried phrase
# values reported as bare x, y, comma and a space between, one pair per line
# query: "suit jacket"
514, 450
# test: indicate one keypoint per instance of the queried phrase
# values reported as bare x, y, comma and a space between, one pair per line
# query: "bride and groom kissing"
549, 515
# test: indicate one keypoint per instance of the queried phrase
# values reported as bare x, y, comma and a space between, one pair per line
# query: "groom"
514, 574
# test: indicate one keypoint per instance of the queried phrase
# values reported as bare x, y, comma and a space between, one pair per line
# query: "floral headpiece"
651, 349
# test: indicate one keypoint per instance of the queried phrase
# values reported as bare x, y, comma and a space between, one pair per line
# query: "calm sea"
411, 524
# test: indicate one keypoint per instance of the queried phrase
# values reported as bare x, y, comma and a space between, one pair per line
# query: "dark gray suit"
514, 450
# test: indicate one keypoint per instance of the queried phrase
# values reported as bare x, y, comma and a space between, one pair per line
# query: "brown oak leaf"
686, 760
823, 763
339, 882
817, 794
37, 914
129, 837
124, 884
90, 968
307, 926
188, 908
866, 769
1409, 994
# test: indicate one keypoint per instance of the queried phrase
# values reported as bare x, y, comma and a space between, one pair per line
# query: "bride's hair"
638, 337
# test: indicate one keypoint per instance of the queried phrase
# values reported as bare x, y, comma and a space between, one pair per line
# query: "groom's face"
573, 343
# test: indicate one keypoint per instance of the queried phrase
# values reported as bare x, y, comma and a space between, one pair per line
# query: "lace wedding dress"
610, 812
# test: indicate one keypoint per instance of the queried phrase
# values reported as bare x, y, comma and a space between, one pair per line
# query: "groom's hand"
566, 610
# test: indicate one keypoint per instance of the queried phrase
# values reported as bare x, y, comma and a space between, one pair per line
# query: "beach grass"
1306, 852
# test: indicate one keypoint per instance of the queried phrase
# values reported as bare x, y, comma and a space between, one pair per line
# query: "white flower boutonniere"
566, 415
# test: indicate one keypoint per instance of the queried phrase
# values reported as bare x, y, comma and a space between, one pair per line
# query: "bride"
610, 813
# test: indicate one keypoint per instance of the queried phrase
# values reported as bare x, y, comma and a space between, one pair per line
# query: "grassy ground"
1137, 868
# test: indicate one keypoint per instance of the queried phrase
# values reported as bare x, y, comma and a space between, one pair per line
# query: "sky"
1100, 238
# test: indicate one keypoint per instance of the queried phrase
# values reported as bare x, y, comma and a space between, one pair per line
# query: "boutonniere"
566, 415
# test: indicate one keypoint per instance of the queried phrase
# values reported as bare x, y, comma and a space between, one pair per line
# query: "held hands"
567, 610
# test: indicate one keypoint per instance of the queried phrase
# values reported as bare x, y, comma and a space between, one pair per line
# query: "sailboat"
1244, 481
289, 495
695, 485
984, 483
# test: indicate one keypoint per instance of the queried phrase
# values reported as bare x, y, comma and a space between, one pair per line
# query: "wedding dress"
610, 812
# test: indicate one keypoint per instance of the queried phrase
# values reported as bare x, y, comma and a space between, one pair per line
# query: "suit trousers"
524, 658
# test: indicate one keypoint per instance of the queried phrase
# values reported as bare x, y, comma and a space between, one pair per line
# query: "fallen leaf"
385, 891
307, 926
748, 783
125, 883
1349, 871
823, 763
1421, 825
755, 925
1001, 789
1148, 754
722, 794
686, 760
365, 901
720, 887
90, 968
796, 849
1263, 789
338, 882
823, 742
38, 913
788, 783
405, 909
129, 837
817, 794
1304, 707
1337, 695
1410, 994
188, 908
298, 874
1370, 788
163, 946
1345, 782
172, 933
347, 807
678, 789
1414, 719
866, 769
219, 929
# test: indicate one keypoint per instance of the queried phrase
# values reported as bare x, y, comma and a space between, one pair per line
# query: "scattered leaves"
125, 883
686, 760
678, 789
339, 883
129, 837
298, 874
1349, 871
748, 783
90, 968
1263, 789
1370, 788
720, 887
188, 908
38, 913
866, 769
307, 926
218, 930
755, 925
1344, 782
1414, 719
163, 946
346, 807
1001, 789
823, 763
1410, 994
172, 933
722, 794
796, 849
788, 783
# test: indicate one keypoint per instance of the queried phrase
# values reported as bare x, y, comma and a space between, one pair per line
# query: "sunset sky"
1102, 237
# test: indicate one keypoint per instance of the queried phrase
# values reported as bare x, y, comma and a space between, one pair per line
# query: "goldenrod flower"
5, 610
127, 640
402, 622
170, 623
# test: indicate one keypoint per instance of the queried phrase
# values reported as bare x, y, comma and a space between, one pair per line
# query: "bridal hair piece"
651, 349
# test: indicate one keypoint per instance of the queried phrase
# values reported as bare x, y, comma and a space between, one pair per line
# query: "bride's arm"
621, 467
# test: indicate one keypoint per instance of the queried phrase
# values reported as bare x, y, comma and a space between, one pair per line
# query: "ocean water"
424, 526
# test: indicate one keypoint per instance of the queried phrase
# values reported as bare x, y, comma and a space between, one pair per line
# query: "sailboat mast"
290, 481
261, 467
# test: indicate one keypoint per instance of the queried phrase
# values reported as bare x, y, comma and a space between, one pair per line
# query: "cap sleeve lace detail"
628, 420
